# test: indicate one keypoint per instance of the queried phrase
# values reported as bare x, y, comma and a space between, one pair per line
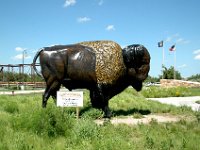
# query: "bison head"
137, 61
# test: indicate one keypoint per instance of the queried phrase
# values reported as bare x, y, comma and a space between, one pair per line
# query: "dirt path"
160, 118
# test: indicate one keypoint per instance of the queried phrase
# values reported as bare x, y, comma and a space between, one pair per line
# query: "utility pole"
23, 57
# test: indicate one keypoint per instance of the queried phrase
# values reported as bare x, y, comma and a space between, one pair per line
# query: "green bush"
51, 122
92, 113
11, 107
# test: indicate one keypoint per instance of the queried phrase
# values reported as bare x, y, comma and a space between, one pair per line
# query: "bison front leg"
106, 109
99, 100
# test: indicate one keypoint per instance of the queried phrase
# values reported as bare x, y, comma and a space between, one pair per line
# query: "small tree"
169, 73
152, 79
194, 78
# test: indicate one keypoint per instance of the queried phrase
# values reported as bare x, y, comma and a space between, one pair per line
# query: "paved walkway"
180, 101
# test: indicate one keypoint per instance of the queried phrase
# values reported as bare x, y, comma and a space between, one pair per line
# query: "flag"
160, 44
172, 48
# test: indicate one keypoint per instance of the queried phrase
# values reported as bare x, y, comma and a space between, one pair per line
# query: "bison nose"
137, 85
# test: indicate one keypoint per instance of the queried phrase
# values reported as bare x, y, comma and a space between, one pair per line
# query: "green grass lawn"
25, 125
155, 91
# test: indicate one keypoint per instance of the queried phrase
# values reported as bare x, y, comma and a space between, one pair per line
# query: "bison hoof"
44, 104
107, 115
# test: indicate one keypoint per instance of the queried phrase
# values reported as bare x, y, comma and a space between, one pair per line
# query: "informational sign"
69, 99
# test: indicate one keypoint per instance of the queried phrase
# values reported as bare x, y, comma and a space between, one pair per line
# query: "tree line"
19, 77
195, 78
168, 73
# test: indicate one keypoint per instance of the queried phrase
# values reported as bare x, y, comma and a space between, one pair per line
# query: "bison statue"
102, 67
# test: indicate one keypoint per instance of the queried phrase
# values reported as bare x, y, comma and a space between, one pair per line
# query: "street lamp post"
23, 57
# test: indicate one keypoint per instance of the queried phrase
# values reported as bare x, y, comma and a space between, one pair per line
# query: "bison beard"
102, 67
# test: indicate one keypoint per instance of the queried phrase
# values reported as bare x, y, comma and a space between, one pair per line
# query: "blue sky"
31, 24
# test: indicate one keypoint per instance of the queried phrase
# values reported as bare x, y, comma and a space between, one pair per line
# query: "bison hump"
109, 61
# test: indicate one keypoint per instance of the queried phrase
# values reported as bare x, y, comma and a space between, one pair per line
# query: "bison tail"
34, 63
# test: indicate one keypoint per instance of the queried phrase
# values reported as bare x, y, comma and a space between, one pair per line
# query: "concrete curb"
180, 101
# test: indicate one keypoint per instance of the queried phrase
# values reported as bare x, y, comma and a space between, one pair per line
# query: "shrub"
11, 107
51, 122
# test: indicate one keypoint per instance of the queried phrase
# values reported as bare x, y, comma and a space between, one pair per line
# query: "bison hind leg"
50, 90
44, 100
54, 94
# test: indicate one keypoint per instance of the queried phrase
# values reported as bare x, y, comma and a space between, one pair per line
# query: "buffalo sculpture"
102, 67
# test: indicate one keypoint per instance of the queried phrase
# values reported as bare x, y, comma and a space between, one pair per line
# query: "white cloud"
110, 28
172, 37
196, 51
197, 54
20, 57
83, 19
169, 39
20, 49
69, 3
176, 38
100, 2
182, 41
179, 40
182, 66
197, 57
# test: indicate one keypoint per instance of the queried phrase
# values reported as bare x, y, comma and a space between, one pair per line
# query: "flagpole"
175, 64
172, 48
161, 44
163, 62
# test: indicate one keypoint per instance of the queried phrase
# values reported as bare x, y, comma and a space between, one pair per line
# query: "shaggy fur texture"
109, 60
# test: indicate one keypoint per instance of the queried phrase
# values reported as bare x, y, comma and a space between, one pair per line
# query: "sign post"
70, 99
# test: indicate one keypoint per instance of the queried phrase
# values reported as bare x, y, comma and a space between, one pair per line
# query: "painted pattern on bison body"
109, 60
